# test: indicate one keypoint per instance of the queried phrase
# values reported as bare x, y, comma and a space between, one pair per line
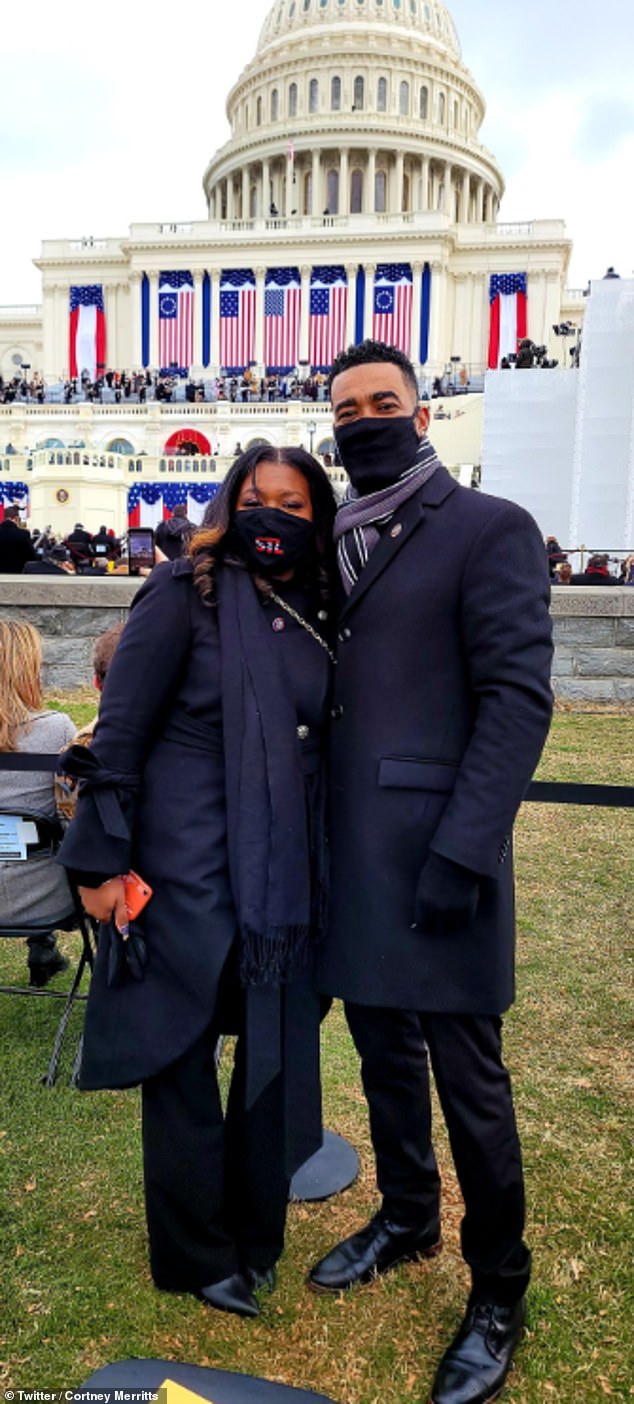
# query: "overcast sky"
109, 114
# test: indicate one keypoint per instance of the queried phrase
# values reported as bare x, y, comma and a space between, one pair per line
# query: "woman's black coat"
160, 730
441, 707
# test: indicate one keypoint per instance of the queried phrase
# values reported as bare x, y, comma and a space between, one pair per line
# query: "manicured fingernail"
124, 930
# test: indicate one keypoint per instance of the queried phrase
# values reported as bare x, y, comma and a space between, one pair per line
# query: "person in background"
563, 574
174, 535
79, 543
16, 547
42, 894
595, 573
104, 651
441, 706
205, 778
56, 560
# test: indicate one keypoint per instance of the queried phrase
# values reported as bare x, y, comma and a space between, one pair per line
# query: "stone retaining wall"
593, 628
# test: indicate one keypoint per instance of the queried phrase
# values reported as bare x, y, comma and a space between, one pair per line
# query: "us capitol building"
354, 172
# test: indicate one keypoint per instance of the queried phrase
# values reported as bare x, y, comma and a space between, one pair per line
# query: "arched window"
335, 94
403, 100
253, 201
313, 95
381, 95
274, 105
456, 111
308, 193
380, 191
406, 197
332, 187
258, 112
292, 100
441, 108
359, 93
423, 103
356, 192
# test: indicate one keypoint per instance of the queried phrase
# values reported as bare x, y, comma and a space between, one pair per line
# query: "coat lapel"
405, 520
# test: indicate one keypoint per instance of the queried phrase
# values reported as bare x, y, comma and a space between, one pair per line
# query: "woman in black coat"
205, 779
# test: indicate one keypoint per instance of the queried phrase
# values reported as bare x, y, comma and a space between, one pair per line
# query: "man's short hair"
105, 649
12, 512
369, 352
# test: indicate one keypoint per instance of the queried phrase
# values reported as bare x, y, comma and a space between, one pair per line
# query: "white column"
464, 197
214, 298
344, 182
259, 315
245, 192
368, 193
424, 183
154, 329
414, 339
265, 191
198, 318
351, 274
231, 203
480, 202
135, 300
290, 188
368, 305
397, 202
448, 191
488, 206
316, 204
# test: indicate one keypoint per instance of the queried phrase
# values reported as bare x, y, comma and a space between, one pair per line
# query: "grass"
76, 1291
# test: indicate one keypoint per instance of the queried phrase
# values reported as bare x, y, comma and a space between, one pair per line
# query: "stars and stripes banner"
151, 503
282, 304
237, 319
87, 330
176, 321
392, 314
507, 300
14, 494
328, 314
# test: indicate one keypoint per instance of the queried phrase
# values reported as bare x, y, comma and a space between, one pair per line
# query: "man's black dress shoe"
372, 1251
260, 1277
232, 1294
474, 1368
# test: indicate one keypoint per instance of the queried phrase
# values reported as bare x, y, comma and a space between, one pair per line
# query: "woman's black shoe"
260, 1277
48, 964
474, 1368
232, 1294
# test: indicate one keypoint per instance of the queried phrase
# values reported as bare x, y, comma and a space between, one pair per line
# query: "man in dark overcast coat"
16, 547
441, 708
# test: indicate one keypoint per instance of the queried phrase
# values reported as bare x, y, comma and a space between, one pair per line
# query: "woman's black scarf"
269, 859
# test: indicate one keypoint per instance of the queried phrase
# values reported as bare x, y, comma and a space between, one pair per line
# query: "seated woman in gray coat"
205, 778
36, 892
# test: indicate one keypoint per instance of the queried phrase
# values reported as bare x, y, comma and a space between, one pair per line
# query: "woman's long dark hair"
213, 542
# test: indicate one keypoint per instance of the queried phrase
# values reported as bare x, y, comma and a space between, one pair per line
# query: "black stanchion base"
218, 1386
329, 1171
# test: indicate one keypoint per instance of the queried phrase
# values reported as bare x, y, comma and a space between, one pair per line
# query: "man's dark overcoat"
441, 707
16, 548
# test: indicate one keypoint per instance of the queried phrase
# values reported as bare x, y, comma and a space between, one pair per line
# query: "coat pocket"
409, 773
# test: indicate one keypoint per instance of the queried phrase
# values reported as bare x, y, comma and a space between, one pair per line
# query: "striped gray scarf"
359, 518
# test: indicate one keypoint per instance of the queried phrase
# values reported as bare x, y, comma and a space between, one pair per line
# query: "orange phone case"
137, 894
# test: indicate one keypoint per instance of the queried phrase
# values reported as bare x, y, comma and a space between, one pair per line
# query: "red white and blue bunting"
11, 493
151, 503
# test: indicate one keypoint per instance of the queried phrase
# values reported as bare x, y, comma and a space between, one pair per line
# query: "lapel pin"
396, 530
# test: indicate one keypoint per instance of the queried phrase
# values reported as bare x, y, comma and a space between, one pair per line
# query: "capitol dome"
424, 17
355, 108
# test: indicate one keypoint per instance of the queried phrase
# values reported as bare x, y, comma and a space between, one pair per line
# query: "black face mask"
375, 452
273, 540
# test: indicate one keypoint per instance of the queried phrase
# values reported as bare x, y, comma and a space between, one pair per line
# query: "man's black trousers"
474, 1090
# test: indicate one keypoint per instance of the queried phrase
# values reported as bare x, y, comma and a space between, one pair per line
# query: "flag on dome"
87, 330
176, 321
392, 319
328, 313
507, 299
282, 303
237, 318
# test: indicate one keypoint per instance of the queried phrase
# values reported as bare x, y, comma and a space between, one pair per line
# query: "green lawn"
75, 1290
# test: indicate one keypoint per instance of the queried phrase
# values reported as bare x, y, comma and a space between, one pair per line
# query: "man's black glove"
446, 896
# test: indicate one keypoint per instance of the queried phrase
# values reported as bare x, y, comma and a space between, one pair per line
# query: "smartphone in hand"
137, 894
140, 549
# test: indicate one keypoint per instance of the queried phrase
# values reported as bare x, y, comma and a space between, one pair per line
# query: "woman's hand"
106, 901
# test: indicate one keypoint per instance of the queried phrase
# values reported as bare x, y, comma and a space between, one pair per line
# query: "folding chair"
39, 835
